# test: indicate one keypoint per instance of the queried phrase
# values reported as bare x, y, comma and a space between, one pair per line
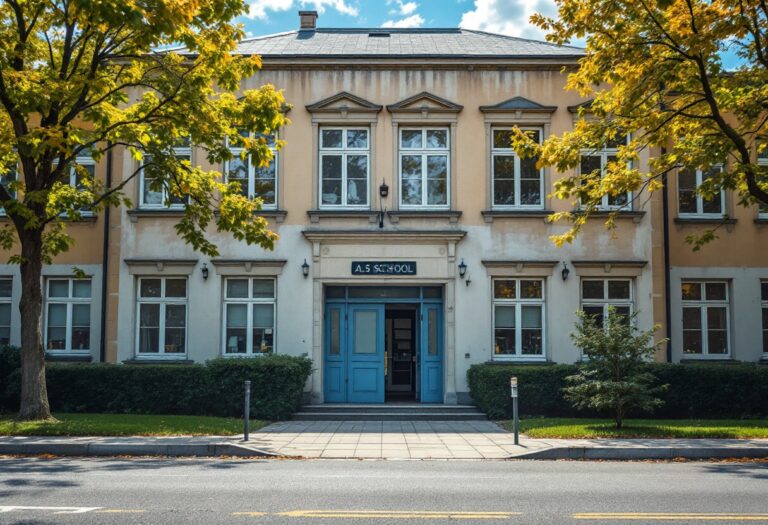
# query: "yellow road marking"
398, 514
670, 516
253, 514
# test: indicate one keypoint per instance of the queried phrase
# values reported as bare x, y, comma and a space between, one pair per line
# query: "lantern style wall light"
566, 272
305, 269
462, 269
204, 271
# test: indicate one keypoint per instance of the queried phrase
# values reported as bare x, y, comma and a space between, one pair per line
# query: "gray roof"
384, 43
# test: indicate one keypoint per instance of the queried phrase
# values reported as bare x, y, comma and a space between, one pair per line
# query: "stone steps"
388, 412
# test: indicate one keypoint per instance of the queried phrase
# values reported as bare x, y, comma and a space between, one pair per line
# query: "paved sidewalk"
393, 440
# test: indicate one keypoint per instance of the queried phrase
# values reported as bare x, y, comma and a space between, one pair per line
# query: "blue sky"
509, 17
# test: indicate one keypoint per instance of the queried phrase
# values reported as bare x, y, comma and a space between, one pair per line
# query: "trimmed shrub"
696, 391
216, 388
10, 363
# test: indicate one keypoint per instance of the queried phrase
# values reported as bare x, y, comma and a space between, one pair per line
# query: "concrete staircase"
389, 412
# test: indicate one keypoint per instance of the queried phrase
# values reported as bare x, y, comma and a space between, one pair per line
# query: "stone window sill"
727, 360
316, 215
634, 215
704, 220
490, 215
150, 361
396, 215
53, 357
135, 214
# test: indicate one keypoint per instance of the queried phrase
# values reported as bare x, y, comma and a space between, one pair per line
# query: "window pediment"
343, 103
424, 103
515, 104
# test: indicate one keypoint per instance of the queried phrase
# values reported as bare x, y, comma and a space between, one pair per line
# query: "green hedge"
215, 389
695, 390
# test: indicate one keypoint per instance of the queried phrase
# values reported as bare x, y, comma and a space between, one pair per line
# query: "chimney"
308, 20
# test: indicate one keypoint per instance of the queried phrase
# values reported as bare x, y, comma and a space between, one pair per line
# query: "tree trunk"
34, 393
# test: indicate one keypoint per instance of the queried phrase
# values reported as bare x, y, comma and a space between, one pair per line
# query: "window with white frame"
517, 183
84, 166
344, 167
152, 196
6, 296
595, 162
162, 316
68, 315
518, 318
424, 167
705, 318
255, 181
597, 295
690, 202
249, 316
764, 305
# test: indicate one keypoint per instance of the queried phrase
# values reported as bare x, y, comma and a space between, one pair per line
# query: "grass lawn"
126, 425
641, 428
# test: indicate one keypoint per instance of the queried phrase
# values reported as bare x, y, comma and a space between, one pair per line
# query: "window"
152, 197
249, 316
595, 162
762, 160
9, 176
344, 167
162, 315
598, 294
518, 318
764, 305
690, 202
76, 176
424, 167
68, 315
516, 182
705, 318
255, 181
6, 289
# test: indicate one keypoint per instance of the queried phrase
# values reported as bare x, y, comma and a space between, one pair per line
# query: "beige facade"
462, 220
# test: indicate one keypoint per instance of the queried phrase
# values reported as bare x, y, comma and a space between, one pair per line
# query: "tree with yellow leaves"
654, 70
83, 77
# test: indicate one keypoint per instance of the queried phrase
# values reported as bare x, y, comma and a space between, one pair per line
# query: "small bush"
696, 391
215, 389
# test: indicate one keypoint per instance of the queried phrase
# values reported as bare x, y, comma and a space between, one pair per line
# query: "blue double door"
356, 360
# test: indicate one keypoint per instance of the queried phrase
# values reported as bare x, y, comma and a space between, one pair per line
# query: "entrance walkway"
388, 440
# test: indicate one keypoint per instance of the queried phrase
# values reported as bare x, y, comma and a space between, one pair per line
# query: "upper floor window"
762, 160
344, 167
255, 181
690, 201
162, 316
9, 176
599, 294
84, 166
152, 196
249, 316
705, 317
68, 315
424, 167
764, 305
516, 181
595, 162
6, 289
518, 317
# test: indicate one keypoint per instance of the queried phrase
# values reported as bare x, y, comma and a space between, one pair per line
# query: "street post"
515, 416
247, 412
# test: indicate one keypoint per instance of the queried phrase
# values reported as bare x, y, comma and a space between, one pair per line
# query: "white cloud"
406, 8
411, 21
259, 8
508, 17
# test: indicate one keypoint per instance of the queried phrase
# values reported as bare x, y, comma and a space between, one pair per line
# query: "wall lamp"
383, 194
204, 271
462, 269
566, 272
305, 269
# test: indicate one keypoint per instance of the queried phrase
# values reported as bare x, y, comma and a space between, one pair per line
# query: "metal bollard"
247, 412
515, 417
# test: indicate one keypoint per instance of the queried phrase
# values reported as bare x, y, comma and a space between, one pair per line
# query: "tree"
655, 70
615, 376
85, 77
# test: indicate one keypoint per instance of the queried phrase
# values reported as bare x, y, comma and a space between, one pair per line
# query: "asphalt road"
160, 491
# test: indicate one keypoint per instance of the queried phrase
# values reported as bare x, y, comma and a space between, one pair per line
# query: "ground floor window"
6, 289
68, 315
705, 317
249, 316
597, 295
162, 315
518, 317
764, 304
